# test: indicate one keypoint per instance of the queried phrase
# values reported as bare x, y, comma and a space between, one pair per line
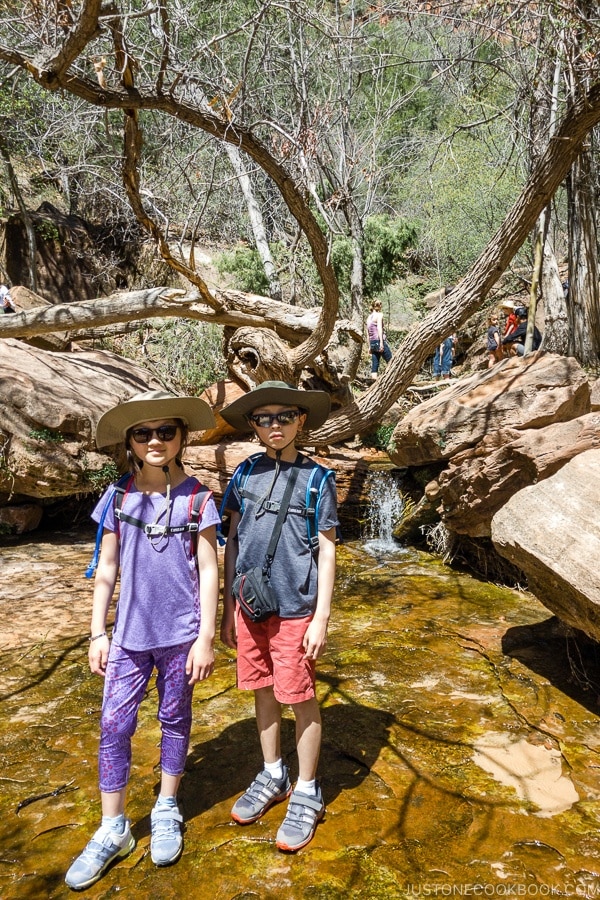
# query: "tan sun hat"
147, 407
508, 304
316, 403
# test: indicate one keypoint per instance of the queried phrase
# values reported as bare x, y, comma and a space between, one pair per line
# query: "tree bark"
584, 290
237, 309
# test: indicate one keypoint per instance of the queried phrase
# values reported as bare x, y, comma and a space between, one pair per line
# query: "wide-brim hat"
316, 403
508, 304
147, 407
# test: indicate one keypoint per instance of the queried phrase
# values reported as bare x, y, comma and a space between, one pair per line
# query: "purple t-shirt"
158, 604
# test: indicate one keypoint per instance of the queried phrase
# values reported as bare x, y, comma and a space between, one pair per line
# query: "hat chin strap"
260, 503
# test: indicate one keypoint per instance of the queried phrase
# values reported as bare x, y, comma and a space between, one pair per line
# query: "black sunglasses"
265, 420
164, 433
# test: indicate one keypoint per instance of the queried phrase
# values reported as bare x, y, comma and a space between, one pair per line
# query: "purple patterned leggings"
127, 675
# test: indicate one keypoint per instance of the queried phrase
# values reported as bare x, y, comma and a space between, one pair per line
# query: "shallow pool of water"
425, 669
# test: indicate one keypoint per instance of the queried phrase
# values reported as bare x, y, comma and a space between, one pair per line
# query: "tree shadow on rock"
566, 657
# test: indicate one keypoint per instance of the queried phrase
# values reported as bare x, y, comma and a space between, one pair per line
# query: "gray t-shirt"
294, 569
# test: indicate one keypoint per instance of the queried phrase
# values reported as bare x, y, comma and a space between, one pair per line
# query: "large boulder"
551, 531
479, 481
519, 393
50, 405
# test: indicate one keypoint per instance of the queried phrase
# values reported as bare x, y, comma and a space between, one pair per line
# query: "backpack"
314, 492
198, 500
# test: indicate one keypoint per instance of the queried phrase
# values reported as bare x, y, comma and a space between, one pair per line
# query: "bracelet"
96, 636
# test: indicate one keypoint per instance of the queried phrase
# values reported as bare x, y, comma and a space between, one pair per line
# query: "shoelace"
166, 826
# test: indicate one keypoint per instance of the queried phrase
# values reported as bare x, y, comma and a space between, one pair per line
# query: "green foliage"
46, 435
100, 478
246, 266
387, 242
186, 355
47, 231
380, 438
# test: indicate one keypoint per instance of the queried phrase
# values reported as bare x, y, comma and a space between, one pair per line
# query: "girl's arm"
201, 658
228, 633
104, 586
315, 637
380, 328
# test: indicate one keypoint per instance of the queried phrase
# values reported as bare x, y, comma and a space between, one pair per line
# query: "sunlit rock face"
551, 531
525, 393
50, 405
478, 482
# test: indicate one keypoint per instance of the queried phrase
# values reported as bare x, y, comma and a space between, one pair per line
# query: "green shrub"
380, 438
102, 477
47, 435
246, 266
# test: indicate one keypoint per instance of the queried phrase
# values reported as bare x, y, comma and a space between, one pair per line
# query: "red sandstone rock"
519, 393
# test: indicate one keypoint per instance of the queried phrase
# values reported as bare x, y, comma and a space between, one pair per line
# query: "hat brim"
316, 403
113, 425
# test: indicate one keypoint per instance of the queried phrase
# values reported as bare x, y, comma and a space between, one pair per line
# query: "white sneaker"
166, 842
104, 848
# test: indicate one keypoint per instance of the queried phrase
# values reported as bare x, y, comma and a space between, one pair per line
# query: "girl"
494, 347
378, 344
165, 616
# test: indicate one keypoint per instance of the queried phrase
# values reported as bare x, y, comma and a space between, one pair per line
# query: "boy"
276, 657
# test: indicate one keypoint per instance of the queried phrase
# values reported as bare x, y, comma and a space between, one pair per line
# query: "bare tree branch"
548, 173
54, 78
235, 309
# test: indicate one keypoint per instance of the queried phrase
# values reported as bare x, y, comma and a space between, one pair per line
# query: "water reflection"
424, 665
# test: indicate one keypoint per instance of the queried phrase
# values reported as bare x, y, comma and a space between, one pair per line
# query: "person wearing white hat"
511, 322
165, 618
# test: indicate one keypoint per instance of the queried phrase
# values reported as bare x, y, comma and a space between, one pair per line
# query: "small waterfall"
384, 511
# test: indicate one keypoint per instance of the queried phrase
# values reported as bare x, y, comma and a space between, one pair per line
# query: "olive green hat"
147, 407
317, 404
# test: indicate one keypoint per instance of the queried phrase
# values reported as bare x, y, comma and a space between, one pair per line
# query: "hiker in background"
276, 656
378, 344
165, 616
442, 359
494, 345
515, 342
8, 304
511, 320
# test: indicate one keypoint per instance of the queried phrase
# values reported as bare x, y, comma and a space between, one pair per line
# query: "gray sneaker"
104, 848
262, 793
303, 814
166, 842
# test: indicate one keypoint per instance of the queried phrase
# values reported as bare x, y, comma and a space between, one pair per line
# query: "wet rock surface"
426, 670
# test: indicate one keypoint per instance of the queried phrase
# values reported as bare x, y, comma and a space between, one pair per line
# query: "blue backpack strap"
314, 492
118, 487
237, 482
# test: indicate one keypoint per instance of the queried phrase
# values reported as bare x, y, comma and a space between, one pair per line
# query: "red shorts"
271, 653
